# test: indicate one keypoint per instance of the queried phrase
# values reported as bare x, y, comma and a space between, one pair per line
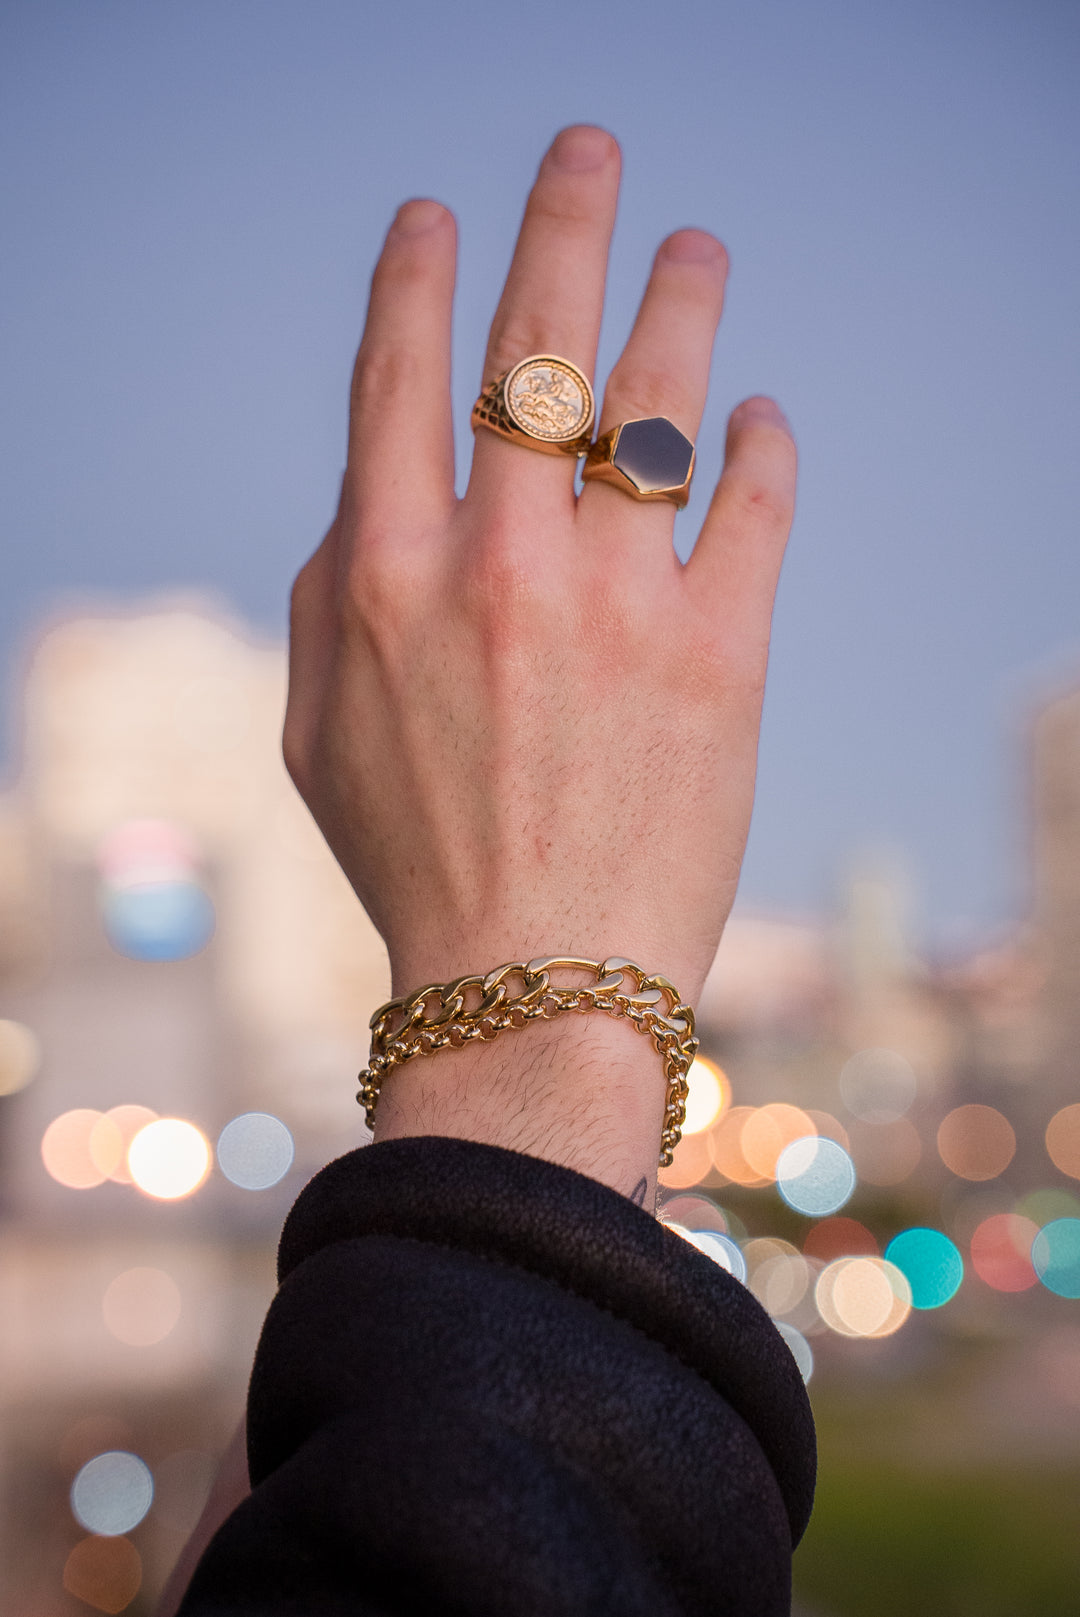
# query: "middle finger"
554, 295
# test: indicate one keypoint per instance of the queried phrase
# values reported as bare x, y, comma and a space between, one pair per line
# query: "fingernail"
691, 247
412, 218
581, 147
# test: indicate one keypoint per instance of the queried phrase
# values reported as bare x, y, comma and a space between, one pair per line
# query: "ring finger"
663, 370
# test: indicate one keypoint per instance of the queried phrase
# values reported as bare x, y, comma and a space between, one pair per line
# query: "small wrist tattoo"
637, 1195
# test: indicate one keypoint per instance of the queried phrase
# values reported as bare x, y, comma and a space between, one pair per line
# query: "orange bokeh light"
690, 1166
1063, 1140
829, 1127
65, 1149
725, 1148
976, 1142
866, 1297
767, 1131
111, 1136
141, 1306
106, 1573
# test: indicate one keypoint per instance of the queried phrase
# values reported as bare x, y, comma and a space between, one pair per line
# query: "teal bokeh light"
931, 1264
1055, 1252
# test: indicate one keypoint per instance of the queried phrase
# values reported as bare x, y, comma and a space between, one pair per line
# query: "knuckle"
644, 390
568, 209
513, 338
760, 503
383, 372
375, 590
384, 596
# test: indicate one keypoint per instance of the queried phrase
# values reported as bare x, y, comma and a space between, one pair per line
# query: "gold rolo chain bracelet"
482, 1007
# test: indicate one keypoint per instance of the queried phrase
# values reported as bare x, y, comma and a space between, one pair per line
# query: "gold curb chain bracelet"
443, 1016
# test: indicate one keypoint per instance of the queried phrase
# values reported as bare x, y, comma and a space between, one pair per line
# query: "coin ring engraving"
546, 399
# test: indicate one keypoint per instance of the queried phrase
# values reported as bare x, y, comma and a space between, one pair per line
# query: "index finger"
401, 445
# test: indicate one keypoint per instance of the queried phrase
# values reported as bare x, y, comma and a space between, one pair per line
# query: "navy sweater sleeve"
489, 1385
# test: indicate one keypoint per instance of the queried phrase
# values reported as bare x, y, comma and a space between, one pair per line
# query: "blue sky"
194, 196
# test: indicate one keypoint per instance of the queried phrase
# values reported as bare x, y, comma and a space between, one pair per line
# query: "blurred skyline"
195, 199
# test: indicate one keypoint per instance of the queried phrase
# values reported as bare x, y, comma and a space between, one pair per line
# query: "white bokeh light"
815, 1176
709, 1094
255, 1150
112, 1493
721, 1248
169, 1159
801, 1351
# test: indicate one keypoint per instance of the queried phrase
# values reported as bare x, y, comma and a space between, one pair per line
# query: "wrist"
585, 1091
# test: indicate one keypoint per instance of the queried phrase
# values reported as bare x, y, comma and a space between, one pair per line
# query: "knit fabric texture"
491, 1385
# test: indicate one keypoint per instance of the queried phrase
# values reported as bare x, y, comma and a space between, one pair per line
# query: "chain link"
482, 1007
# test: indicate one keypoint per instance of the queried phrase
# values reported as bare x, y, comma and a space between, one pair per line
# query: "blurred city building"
177, 944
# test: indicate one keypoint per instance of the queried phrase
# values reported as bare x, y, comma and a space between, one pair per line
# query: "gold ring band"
543, 402
648, 458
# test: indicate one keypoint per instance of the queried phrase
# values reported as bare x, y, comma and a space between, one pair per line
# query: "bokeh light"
694, 1213
141, 1306
146, 851
886, 1153
767, 1131
1001, 1251
163, 921
840, 1238
65, 1149
763, 1248
255, 1150
105, 1573
111, 1137
878, 1085
692, 1163
815, 1176
112, 1493
865, 1297
1062, 1139
169, 1158
1049, 1203
709, 1094
20, 1056
780, 1280
801, 1351
931, 1262
829, 1127
976, 1142
153, 906
721, 1248
726, 1152
1055, 1253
